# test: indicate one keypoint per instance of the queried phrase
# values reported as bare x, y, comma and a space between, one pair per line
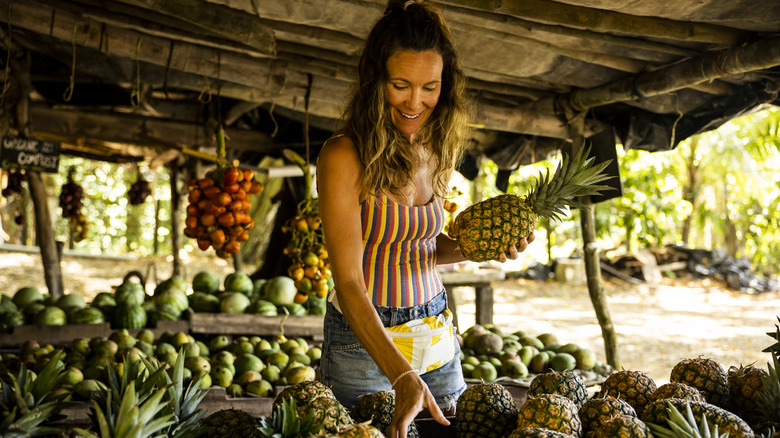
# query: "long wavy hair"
389, 160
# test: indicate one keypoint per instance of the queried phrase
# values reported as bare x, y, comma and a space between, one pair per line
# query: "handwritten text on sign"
27, 153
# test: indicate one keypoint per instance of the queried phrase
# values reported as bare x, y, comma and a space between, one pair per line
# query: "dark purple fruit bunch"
139, 191
15, 179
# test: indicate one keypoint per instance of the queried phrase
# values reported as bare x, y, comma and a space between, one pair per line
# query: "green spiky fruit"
536, 432
707, 376
769, 397
565, 383
304, 392
634, 387
286, 422
657, 413
676, 390
745, 383
623, 426
327, 411
489, 228
550, 411
378, 408
597, 411
359, 430
485, 410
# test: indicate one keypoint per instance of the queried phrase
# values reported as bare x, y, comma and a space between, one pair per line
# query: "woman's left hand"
515, 250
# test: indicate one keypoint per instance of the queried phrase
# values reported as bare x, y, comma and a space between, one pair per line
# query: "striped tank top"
399, 250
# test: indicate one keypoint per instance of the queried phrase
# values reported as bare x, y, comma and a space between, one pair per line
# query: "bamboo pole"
599, 20
52, 271
592, 263
759, 55
175, 217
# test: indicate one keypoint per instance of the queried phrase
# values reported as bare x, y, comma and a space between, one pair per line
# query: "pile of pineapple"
702, 399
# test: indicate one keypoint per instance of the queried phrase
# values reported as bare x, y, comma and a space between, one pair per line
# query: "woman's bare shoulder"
339, 149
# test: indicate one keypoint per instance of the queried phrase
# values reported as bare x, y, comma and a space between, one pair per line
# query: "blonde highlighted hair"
389, 160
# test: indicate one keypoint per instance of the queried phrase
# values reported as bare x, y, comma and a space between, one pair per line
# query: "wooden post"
52, 272
175, 209
592, 262
156, 234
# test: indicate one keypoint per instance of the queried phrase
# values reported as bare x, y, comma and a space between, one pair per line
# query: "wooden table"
480, 280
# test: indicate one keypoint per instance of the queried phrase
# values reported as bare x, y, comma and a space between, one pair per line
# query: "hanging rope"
72, 84
135, 95
168, 70
679, 117
207, 87
273, 119
306, 114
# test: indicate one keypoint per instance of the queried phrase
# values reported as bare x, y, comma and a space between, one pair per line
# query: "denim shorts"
350, 372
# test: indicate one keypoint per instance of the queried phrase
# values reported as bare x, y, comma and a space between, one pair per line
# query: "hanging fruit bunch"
139, 191
217, 214
14, 187
71, 198
451, 207
310, 267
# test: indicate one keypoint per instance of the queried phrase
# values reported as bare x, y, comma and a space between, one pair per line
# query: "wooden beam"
526, 122
603, 21
222, 20
757, 56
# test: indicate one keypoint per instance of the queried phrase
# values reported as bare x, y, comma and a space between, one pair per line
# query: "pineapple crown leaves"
685, 426
182, 403
774, 348
769, 394
285, 423
574, 177
134, 419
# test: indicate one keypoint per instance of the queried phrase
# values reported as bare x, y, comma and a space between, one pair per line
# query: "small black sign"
28, 153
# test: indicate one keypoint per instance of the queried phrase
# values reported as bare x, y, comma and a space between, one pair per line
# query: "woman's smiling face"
413, 88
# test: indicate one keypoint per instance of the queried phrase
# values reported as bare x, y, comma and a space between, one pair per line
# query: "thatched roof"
147, 73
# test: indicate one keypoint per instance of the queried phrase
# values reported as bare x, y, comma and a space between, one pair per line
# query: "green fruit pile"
241, 294
488, 354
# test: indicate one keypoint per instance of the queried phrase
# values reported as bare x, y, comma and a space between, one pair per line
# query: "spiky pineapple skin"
378, 408
485, 410
706, 375
676, 390
656, 413
550, 411
634, 387
536, 432
329, 412
564, 383
230, 423
623, 426
304, 392
745, 383
359, 430
597, 411
488, 228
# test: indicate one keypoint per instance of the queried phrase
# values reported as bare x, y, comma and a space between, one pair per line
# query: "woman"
381, 181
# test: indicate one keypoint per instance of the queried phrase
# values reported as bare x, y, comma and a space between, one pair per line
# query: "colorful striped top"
399, 250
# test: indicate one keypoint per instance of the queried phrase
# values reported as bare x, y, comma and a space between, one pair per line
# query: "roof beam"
578, 17
759, 55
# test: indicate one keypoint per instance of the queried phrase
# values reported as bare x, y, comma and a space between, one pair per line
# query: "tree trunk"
691, 188
175, 216
52, 272
592, 262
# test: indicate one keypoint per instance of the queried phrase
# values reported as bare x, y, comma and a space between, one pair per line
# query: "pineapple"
687, 426
745, 383
676, 390
550, 411
28, 403
137, 415
231, 423
707, 376
769, 398
634, 387
597, 411
658, 413
488, 228
284, 423
565, 383
327, 411
359, 430
378, 408
485, 410
623, 426
304, 392
536, 432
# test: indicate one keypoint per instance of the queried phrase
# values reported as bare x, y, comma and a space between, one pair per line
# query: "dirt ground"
656, 326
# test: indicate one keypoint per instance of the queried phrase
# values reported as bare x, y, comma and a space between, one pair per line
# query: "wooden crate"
63, 334
309, 326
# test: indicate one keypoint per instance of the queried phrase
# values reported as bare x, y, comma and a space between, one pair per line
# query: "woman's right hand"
411, 397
